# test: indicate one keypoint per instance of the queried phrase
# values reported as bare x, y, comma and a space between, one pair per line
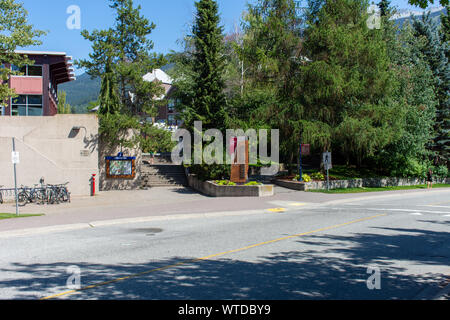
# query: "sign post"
327, 164
15, 159
300, 169
304, 151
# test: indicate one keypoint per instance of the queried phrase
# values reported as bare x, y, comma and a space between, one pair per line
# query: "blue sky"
173, 19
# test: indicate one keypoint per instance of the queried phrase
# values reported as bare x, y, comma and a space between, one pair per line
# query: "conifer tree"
127, 48
109, 99
208, 64
385, 7
434, 51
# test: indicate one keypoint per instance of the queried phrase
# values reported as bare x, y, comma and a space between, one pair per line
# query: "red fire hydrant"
93, 185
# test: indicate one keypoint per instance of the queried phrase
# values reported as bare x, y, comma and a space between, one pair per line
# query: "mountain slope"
403, 16
81, 91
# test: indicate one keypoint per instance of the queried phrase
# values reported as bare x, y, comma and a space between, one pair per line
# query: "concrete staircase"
162, 175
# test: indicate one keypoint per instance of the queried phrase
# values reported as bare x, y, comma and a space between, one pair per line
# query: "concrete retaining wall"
356, 183
50, 148
211, 189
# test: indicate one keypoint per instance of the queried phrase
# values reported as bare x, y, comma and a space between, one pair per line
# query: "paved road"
298, 250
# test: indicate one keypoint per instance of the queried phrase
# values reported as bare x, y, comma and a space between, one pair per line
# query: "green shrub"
306, 178
318, 176
253, 183
225, 183
441, 172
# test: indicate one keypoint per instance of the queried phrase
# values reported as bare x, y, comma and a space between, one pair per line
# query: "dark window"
28, 71
35, 111
24, 105
35, 100
19, 100
34, 71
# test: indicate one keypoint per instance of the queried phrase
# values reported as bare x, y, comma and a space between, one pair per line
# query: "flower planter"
212, 189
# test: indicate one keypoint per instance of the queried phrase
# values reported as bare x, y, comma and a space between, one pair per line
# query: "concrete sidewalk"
162, 202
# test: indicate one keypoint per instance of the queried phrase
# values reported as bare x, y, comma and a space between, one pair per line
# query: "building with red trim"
37, 88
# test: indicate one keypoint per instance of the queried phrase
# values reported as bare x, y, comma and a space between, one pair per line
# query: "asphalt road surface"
389, 247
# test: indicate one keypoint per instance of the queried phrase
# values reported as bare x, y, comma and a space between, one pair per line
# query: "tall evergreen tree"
208, 63
434, 51
109, 99
127, 47
445, 30
385, 7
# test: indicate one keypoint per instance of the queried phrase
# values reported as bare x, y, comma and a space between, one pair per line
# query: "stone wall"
356, 183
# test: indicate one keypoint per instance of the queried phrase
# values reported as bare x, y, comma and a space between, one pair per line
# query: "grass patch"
360, 190
4, 216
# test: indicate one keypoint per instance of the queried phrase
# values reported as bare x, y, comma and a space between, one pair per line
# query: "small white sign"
15, 157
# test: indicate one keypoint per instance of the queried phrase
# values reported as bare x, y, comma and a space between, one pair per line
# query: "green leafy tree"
270, 50
15, 32
347, 85
63, 106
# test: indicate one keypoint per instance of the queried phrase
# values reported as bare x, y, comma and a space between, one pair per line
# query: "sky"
173, 20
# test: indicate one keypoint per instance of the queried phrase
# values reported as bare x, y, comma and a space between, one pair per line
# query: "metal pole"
300, 164
15, 180
328, 180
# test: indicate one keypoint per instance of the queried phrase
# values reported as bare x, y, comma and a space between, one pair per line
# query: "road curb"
106, 223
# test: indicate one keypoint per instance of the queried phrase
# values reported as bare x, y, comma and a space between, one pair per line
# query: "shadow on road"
323, 267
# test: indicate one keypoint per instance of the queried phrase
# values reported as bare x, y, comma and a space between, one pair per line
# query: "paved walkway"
114, 205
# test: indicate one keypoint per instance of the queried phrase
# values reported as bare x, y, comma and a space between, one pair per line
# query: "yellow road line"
277, 209
210, 257
298, 204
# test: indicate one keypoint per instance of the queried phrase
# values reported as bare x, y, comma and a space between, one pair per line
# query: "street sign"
15, 157
327, 164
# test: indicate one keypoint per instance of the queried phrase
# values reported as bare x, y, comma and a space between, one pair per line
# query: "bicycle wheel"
65, 195
40, 197
22, 199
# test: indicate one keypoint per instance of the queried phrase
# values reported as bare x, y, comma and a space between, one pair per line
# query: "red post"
93, 185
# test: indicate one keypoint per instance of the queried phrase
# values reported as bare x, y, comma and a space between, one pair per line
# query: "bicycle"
31, 195
58, 193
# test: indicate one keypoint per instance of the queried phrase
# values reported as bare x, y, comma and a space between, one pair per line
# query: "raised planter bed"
214, 190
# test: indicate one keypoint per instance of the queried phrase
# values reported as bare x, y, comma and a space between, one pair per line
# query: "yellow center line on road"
209, 257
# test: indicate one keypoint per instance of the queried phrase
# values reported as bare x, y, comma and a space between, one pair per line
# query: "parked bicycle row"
39, 194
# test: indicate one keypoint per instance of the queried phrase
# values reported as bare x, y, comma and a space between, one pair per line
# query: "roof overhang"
60, 64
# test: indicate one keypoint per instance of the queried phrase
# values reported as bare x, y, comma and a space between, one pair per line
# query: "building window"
27, 105
171, 120
171, 105
29, 71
